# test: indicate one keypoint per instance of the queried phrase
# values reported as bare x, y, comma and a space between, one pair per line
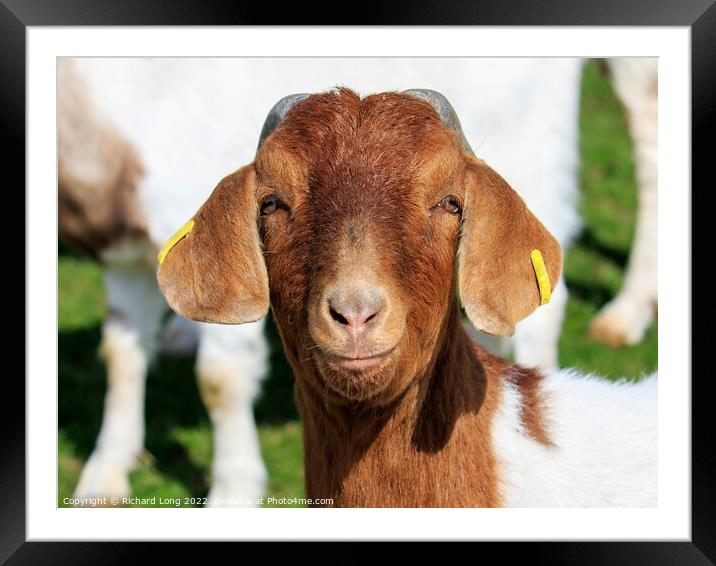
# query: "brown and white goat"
350, 223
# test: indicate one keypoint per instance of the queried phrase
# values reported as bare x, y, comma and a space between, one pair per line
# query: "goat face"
351, 215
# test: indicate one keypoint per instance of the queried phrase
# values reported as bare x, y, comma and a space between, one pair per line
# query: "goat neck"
363, 455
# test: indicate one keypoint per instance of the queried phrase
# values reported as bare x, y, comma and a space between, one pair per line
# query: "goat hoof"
103, 480
239, 488
621, 323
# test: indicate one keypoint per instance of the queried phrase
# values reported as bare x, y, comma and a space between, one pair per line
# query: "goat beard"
354, 385
380, 386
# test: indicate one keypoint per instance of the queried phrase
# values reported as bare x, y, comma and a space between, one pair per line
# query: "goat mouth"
356, 363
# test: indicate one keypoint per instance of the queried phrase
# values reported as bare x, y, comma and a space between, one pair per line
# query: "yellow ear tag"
171, 242
545, 289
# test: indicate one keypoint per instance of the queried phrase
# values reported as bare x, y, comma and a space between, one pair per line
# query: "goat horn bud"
278, 113
446, 112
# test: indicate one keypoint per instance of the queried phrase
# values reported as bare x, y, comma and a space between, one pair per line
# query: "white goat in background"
181, 125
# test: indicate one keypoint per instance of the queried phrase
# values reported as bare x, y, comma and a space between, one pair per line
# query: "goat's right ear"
216, 272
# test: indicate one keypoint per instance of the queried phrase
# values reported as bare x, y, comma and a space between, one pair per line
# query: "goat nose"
356, 308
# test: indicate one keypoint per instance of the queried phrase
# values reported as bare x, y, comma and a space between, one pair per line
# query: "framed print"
133, 115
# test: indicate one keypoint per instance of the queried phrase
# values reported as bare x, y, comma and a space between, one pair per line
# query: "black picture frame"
698, 15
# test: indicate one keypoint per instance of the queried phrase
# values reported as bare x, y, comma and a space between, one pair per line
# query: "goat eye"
271, 205
450, 204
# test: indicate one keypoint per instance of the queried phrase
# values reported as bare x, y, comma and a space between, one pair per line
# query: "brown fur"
361, 179
534, 405
225, 281
497, 279
430, 447
98, 173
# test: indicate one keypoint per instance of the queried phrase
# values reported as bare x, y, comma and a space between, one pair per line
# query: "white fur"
604, 451
230, 363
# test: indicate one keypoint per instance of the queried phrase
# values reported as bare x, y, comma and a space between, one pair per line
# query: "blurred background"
177, 459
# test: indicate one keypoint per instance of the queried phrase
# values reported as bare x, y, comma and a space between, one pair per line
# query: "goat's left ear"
213, 269
497, 278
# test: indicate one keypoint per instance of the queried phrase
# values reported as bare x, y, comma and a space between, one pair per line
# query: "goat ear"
498, 282
215, 271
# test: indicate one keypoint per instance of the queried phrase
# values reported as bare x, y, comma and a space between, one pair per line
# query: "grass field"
178, 441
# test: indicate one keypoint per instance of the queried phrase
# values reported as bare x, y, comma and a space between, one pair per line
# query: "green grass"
178, 441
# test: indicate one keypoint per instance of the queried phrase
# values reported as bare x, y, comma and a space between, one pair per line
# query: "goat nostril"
371, 317
335, 315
